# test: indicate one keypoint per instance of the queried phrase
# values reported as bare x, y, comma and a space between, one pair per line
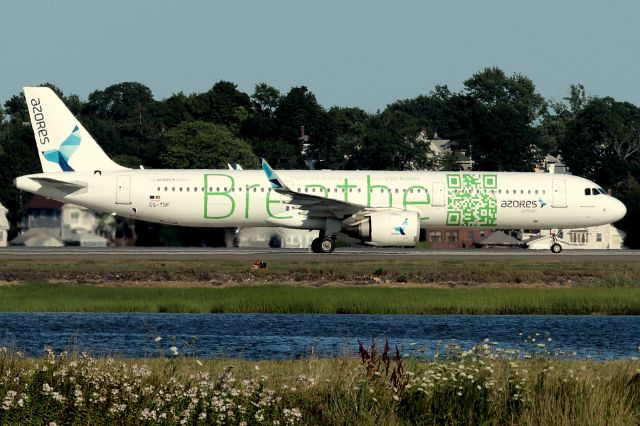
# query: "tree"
350, 124
504, 113
602, 141
391, 143
299, 108
554, 126
265, 99
122, 119
198, 144
222, 104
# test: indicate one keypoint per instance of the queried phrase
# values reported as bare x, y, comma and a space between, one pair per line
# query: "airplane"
380, 208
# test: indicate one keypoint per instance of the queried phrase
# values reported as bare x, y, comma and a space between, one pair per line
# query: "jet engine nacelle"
388, 228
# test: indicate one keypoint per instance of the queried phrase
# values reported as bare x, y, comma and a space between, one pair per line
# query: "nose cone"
617, 210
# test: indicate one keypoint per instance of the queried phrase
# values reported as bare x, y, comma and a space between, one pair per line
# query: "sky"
348, 53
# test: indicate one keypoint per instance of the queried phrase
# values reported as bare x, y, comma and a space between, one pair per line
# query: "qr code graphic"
471, 199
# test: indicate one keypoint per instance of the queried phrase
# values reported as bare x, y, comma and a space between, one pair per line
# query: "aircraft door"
123, 189
559, 193
438, 194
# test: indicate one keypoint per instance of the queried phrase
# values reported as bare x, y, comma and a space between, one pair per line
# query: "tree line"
501, 120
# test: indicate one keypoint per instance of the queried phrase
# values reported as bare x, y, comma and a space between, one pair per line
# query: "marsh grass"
482, 385
464, 272
304, 299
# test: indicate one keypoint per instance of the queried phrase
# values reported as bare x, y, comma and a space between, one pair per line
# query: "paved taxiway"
194, 253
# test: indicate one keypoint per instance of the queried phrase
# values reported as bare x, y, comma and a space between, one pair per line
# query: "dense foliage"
500, 120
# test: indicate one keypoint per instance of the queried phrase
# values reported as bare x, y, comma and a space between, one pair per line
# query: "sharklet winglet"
272, 177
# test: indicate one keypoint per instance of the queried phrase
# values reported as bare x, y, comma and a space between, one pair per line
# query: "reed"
327, 299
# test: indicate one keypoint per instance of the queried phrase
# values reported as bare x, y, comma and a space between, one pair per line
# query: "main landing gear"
323, 244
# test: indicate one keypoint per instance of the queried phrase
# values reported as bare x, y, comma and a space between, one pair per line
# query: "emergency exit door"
123, 190
437, 200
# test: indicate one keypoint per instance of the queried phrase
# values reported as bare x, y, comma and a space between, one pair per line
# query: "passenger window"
587, 191
180, 189
166, 189
536, 191
158, 188
173, 189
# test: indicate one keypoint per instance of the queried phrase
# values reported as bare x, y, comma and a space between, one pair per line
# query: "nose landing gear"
555, 247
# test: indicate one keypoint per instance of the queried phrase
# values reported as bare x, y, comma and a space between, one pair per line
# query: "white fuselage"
233, 198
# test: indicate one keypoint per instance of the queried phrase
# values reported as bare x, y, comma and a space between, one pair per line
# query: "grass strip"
299, 299
466, 272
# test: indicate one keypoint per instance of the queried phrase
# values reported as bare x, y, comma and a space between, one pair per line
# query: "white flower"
174, 350
157, 339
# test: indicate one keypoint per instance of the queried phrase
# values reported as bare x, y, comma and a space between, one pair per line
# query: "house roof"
499, 238
38, 202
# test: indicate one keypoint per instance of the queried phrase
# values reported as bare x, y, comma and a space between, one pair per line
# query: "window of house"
435, 236
75, 215
599, 237
452, 236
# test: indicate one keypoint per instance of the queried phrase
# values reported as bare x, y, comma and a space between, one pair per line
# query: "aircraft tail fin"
63, 143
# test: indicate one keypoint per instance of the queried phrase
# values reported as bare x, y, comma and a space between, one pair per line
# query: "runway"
197, 253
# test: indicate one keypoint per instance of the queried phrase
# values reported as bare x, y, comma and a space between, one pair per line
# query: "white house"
596, 237
4, 226
274, 237
50, 223
440, 147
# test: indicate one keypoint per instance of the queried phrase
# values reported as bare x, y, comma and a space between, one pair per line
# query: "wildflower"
199, 362
157, 339
174, 350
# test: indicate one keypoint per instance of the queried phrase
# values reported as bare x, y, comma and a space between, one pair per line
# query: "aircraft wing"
316, 205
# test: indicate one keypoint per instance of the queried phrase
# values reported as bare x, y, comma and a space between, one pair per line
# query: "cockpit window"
602, 191
595, 191
587, 191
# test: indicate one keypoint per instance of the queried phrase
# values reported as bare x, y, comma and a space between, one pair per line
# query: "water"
270, 336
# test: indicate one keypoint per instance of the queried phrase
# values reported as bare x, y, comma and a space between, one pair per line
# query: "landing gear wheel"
323, 245
556, 248
327, 245
315, 245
